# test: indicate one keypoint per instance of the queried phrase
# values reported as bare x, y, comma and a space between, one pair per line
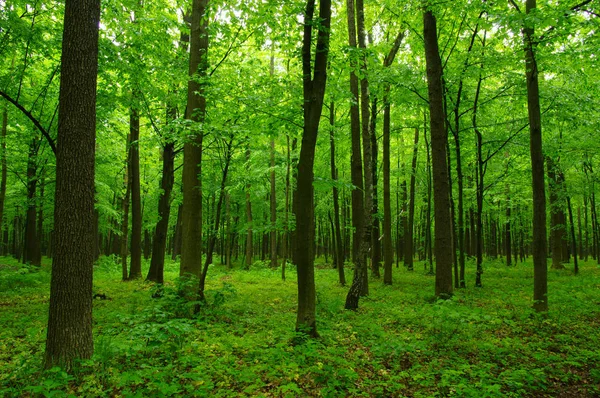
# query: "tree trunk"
273, 208
125, 216
540, 267
408, 234
135, 266
508, 240
338, 247
573, 241
31, 253
313, 92
3, 163
159, 242
443, 233
249, 240
376, 233
557, 227
191, 227
359, 257
69, 335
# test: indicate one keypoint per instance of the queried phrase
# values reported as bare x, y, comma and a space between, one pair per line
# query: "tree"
314, 81
191, 248
69, 335
439, 138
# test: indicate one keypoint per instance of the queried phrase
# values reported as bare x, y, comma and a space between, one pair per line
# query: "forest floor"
484, 342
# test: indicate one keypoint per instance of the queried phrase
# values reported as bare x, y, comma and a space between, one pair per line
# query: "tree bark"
3, 164
273, 208
69, 335
124, 248
540, 267
159, 242
249, 239
338, 247
408, 233
191, 227
314, 82
443, 233
135, 265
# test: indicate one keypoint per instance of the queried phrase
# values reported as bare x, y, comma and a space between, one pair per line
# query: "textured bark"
191, 226
358, 208
314, 81
135, 266
69, 335
124, 243
443, 233
408, 233
540, 267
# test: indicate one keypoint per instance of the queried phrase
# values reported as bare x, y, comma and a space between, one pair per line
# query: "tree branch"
35, 122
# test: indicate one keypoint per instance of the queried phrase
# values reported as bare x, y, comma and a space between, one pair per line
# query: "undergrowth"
484, 342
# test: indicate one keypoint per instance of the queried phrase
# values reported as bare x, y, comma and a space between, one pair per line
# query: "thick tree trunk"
191, 227
135, 266
443, 233
70, 317
540, 267
314, 81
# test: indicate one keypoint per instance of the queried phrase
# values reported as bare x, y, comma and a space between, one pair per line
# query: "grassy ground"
482, 343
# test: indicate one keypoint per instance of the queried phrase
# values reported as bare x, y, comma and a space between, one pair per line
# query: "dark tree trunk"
388, 251
557, 227
540, 267
439, 138
573, 241
147, 244
70, 317
338, 247
314, 81
159, 242
273, 208
212, 239
3, 164
508, 240
286, 234
135, 266
408, 233
191, 227
125, 216
376, 235
31, 251
177, 234
358, 206
249, 239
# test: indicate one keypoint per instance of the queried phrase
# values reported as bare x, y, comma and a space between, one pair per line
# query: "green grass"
401, 342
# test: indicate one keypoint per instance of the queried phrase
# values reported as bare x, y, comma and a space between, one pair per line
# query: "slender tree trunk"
508, 240
408, 234
3, 163
31, 253
443, 233
376, 235
573, 240
69, 335
159, 242
366, 144
249, 239
314, 82
286, 234
358, 206
191, 226
135, 269
273, 208
540, 267
556, 211
338, 247
124, 248
388, 251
